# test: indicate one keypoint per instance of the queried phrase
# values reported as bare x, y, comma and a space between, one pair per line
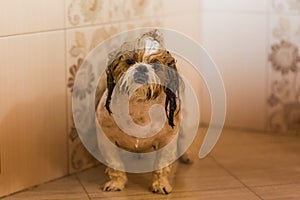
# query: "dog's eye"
130, 61
171, 63
156, 61
156, 66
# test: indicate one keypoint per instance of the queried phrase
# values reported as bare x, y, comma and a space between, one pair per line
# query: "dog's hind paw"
186, 159
113, 185
161, 186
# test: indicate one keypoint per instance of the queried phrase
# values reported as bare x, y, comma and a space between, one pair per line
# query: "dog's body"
148, 77
139, 109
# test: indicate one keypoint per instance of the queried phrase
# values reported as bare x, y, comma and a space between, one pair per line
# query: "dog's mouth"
140, 80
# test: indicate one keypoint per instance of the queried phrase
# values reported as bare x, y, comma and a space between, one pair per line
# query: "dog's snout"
142, 69
141, 76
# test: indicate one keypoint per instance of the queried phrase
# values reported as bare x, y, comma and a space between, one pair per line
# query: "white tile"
235, 5
17, 16
289, 7
179, 7
33, 110
237, 44
188, 24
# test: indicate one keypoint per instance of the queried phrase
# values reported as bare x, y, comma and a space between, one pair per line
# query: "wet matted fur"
135, 67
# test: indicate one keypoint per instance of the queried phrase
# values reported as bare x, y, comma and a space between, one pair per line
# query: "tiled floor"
243, 166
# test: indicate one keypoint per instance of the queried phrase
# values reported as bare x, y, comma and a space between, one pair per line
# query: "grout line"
32, 32
34, 186
69, 28
256, 131
229, 172
66, 94
86, 192
236, 11
267, 68
277, 184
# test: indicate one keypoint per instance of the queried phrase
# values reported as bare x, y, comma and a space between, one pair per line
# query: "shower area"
254, 43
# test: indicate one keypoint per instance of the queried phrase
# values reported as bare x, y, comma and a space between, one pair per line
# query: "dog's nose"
141, 76
142, 69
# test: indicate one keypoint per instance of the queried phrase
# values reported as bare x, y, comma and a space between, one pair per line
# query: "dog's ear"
110, 87
171, 90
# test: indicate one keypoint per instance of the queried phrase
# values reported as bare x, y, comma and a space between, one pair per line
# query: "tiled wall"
255, 45
42, 44
33, 94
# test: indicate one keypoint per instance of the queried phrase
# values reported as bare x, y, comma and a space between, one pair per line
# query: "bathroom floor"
243, 165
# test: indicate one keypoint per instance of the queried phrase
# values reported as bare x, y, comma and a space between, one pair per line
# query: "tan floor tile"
230, 194
269, 165
282, 192
65, 188
258, 164
240, 137
202, 175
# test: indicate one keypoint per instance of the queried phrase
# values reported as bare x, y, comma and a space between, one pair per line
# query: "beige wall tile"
188, 24
33, 110
237, 44
235, 5
179, 7
17, 16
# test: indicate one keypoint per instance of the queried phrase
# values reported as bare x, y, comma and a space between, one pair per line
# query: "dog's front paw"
113, 185
161, 186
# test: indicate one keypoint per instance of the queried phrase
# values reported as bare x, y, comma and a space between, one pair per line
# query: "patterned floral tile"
91, 12
284, 79
291, 7
79, 43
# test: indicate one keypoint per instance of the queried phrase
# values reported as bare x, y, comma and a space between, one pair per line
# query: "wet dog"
148, 75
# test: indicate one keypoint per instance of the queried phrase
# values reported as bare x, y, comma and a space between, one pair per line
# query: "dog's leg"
182, 143
183, 140
110, 157
160, 182
164, 157
117, 180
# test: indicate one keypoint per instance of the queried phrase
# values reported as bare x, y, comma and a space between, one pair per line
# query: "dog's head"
145, 76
